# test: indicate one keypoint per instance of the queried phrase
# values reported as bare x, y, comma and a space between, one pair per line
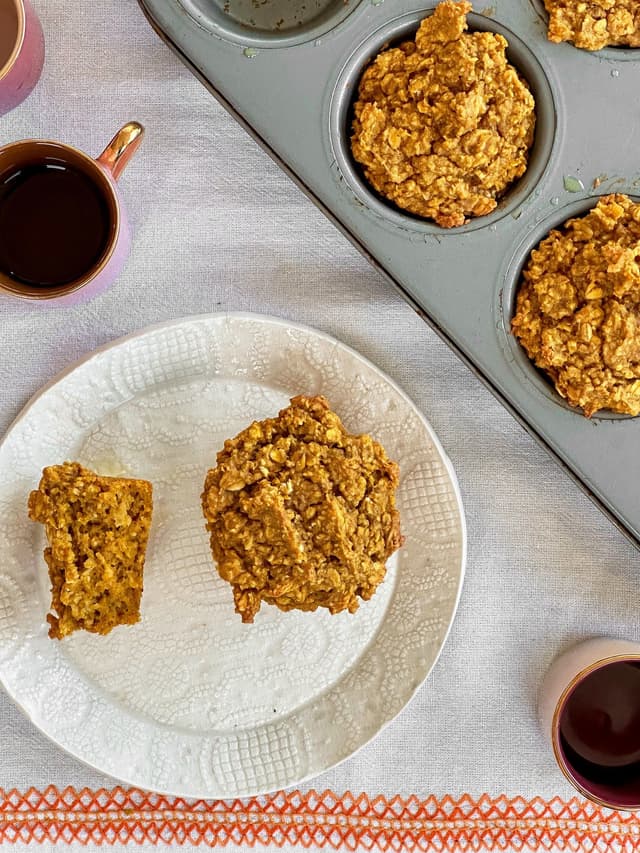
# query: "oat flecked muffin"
97, 529
594, 24
443, 124
301, 513
578, 307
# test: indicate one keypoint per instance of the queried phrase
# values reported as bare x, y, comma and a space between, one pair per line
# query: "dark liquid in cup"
54, 224
9, 28
600, 728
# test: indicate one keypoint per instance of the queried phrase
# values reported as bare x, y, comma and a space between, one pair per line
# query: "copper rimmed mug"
104, 172
21, 52
590, 711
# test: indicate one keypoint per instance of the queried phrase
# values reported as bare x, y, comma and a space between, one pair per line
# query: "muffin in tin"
578, 307
596, 24
443, 125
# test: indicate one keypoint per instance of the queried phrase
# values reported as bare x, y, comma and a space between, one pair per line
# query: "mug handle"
121, 149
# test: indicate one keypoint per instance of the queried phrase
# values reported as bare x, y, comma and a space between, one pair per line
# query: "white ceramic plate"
190, 701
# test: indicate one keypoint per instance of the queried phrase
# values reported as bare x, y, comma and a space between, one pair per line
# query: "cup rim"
13, 56
49, 293
555, 727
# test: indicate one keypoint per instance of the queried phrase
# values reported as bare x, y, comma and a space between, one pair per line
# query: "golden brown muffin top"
578, 307
443, 124
301, 513
595, 24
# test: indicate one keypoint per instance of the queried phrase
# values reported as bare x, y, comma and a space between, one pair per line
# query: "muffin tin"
288, 70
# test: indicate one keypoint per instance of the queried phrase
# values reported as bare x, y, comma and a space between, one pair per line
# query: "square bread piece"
97, 529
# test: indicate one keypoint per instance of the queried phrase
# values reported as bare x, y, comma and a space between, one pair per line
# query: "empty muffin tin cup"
515, 352
268, 23
341, 116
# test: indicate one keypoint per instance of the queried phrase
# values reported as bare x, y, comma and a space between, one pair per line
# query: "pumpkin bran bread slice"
97, 529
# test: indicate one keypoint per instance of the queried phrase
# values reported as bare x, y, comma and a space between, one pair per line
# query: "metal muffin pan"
289, 73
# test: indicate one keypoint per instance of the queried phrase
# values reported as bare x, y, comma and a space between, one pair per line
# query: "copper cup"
104, 172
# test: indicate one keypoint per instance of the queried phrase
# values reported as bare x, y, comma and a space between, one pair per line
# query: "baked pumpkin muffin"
301, 513
595, 24
97, 529
443, 124
578, 307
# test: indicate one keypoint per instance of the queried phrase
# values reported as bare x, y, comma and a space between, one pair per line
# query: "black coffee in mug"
55, 223
600, 732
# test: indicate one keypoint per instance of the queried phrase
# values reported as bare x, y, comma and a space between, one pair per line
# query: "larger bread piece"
301, 513
97, 529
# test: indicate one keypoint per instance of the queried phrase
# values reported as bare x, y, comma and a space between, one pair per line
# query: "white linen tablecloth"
219, 227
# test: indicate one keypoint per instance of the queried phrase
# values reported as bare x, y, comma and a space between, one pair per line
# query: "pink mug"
99, 178
590, 711
21, 52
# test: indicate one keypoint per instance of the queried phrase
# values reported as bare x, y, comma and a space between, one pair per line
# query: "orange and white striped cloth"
313, 821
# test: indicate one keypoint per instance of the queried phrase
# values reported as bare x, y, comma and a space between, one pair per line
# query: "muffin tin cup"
296, 98
268, 23
506, 307
404, 28
613, 53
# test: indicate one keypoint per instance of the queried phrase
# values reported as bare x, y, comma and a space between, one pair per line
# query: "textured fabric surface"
219, 227
312, 820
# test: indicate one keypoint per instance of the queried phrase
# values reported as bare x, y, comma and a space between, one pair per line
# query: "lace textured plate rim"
318, 735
